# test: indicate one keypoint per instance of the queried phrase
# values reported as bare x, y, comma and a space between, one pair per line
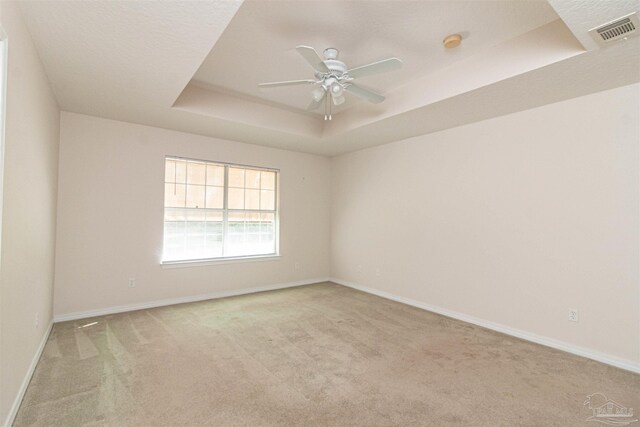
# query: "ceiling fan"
333, 78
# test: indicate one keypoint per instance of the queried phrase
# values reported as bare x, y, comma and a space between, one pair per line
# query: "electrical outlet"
132, 283
37, 322
377, 272
573, 314
296, 266
359, 268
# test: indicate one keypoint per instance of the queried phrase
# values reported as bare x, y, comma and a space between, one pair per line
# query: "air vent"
621, 28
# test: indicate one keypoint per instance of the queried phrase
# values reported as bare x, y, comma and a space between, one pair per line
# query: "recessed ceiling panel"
259, 43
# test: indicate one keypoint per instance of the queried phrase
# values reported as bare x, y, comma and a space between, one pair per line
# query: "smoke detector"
618, 29
452, 41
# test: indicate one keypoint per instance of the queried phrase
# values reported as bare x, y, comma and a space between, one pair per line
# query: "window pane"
236, 177
181, 171
215, 175
252, 217
194, 220
195, 196
195, 229
169, 171
252, 178
174, 195
235, 234
196, 173
268, 180
252, 233
195, 239
252, 199
174, 215
213, 246
174, 242
268, 220
215, 197
195, 215
267, 233
267, 200
214, 231
236, 216
236, 198
215, 217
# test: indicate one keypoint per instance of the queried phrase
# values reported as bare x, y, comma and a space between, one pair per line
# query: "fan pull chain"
325, 107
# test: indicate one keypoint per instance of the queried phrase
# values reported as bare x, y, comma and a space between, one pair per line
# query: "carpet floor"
313, 355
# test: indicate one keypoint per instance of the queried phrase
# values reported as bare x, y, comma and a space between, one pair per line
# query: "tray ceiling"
193, 66
258, 45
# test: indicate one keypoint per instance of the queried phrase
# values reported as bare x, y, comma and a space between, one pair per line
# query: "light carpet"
313, 355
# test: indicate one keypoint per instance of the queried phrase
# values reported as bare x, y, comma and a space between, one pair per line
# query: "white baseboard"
538, 339
27, 378
529, 336
180, 300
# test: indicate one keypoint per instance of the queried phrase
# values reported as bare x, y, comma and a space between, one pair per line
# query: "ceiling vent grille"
621, 28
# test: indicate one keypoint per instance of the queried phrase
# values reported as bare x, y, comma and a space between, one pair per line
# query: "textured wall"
110, 215
29, 199
513, 220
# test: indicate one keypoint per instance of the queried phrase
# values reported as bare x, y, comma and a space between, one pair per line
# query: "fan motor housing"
331, 53
337, 67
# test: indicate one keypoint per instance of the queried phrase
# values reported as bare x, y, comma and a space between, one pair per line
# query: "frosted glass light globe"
336, 89
318, 94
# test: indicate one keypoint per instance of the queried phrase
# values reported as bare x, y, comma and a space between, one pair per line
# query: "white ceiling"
258, 45
133, 61
97, 51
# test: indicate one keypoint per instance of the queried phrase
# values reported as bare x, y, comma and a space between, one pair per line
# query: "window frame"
225, 214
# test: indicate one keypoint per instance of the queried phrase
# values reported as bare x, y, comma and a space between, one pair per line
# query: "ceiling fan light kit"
336, 89
333, 78
317, 94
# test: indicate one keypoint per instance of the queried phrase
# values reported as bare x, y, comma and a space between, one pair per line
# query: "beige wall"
110, 216
513, 220
28, 222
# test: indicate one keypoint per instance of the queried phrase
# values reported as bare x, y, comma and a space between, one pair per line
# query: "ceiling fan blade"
287, 83
383, 66
312, 58
367, 94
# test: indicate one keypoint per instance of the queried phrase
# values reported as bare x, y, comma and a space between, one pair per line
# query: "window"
216, 210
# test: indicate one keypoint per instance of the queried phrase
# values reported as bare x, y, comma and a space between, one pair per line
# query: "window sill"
219, 261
